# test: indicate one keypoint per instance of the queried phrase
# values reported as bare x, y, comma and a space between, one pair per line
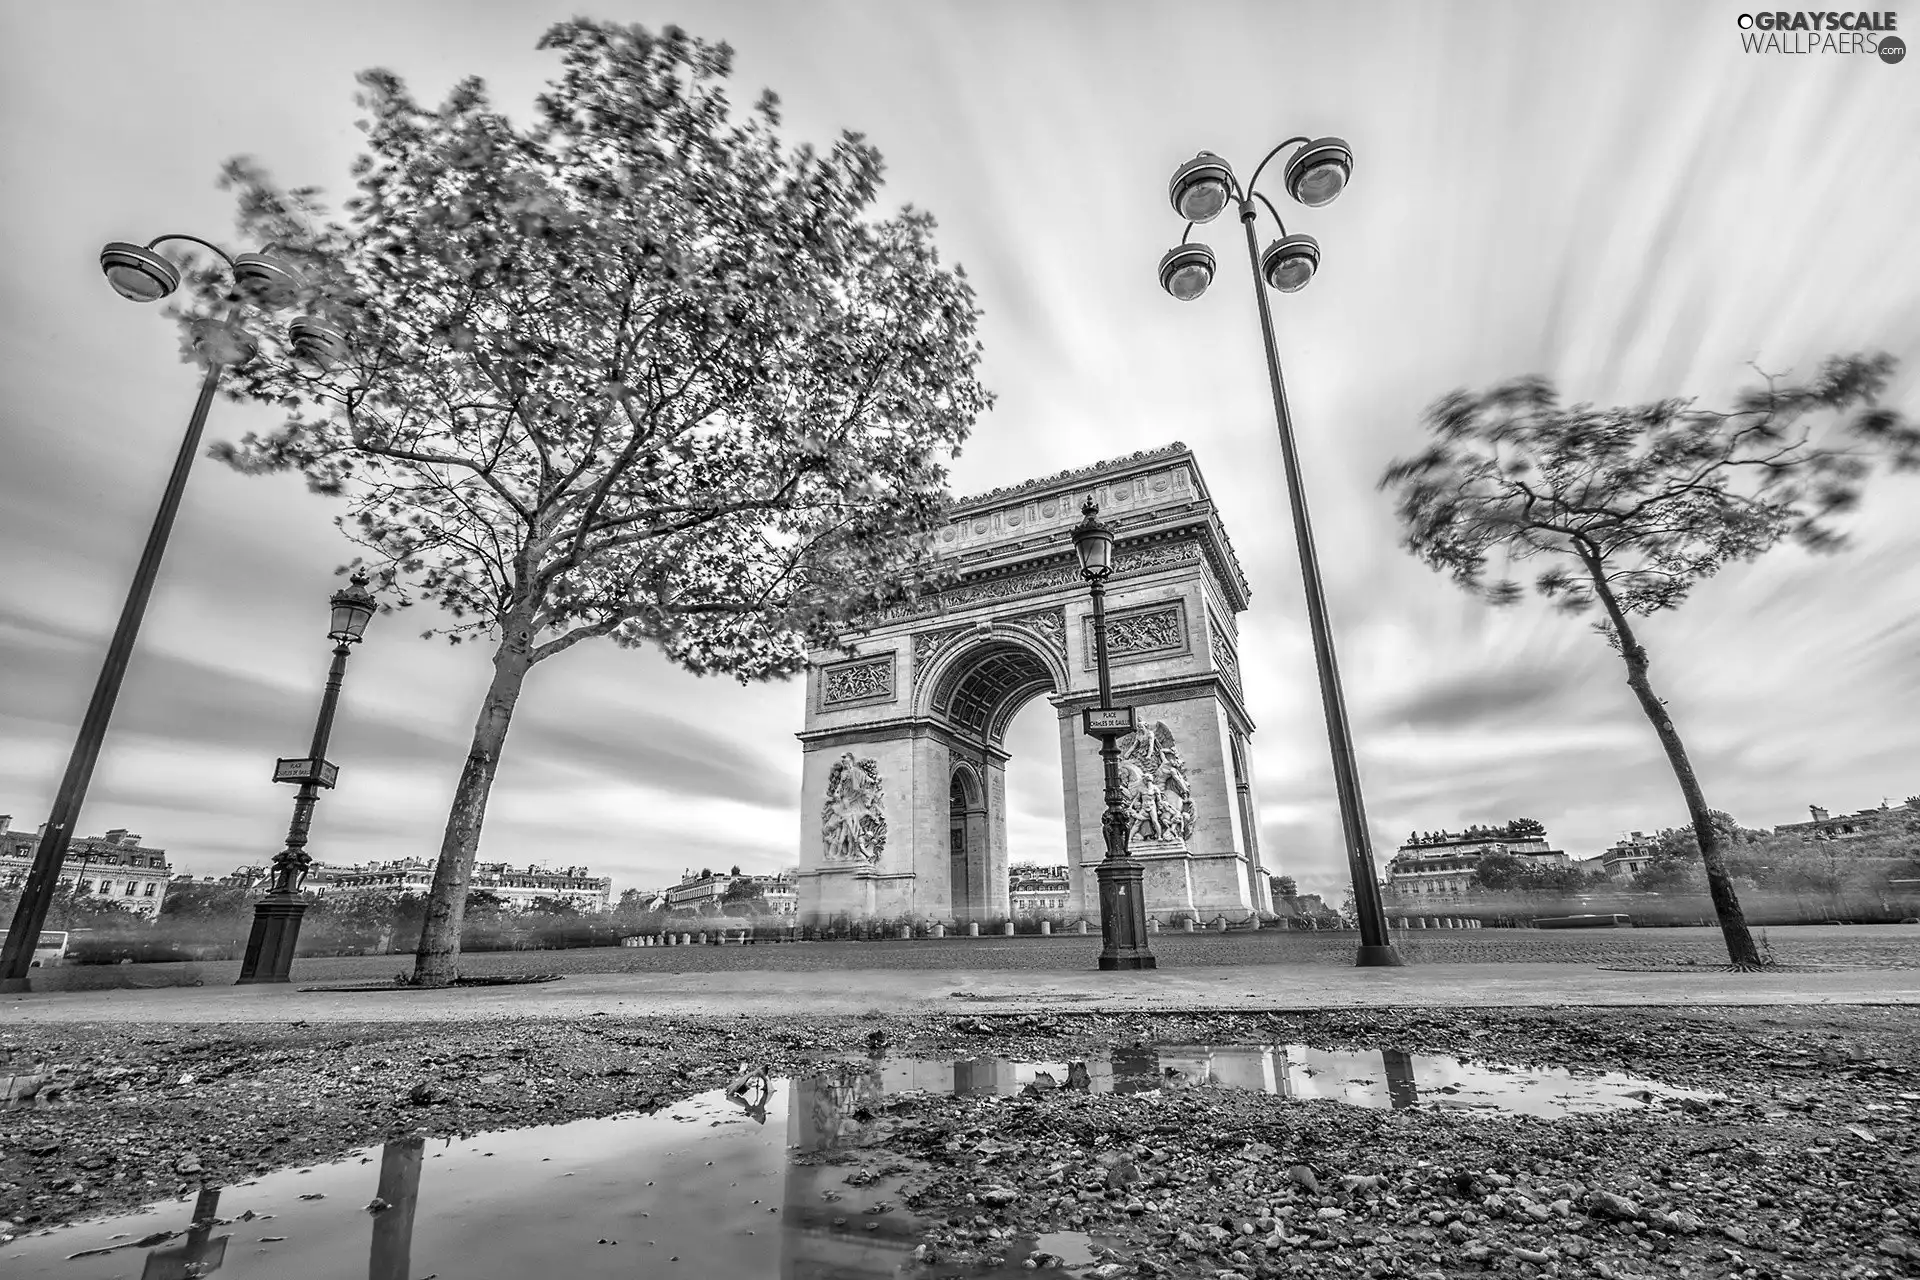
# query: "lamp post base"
270, 945
1123, 916
1385, 957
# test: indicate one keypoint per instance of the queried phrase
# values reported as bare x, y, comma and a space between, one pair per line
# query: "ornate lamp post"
1200, 190
276, 917
139, 274
1123, 907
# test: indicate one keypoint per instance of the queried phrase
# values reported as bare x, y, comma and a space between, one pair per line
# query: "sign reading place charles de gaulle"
1107, 722
319, 772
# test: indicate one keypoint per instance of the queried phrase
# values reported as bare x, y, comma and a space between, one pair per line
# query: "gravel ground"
1881, 946
1808, 1168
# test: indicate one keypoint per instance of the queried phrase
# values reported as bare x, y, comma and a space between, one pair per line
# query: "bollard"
1153, 924
1046, 928
1255, 922
686, 939
1081, 928
1186, 926
1219, 924
973, 929
906, 931
1007, 928
939, 931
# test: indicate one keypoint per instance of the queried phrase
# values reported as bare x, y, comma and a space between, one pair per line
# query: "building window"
133, 889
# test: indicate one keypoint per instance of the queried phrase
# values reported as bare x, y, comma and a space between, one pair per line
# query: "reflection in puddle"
1372, 1078
726, 1183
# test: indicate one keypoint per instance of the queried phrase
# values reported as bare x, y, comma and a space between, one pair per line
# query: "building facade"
115, 865
1851, 826
1440, 866
1034, 891
518, 887
1629, 856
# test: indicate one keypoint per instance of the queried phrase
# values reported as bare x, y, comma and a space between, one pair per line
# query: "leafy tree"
635, 370
1286, 886
1634, 506
554, 907
483, 902
1499, 872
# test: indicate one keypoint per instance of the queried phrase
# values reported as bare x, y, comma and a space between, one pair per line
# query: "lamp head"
1093, 543
318, 342
1318, 172
267, 281
1201, 188
138, 273
1289, 263
352, 607
1186, 271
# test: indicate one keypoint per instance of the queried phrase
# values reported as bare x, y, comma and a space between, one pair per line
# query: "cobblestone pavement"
1876, 946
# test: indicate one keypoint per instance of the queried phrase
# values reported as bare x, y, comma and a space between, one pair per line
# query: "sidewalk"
957, 991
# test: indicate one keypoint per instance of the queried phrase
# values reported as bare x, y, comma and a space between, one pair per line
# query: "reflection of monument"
830, 1112
393, 1226
1401, 1090
197, 1255
1135, 1071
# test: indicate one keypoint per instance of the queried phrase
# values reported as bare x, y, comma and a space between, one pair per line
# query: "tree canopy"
1632, 507
635, 369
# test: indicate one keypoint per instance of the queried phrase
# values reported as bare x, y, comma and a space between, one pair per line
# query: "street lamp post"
276, 917
139, 274
1200, 190
1123, 907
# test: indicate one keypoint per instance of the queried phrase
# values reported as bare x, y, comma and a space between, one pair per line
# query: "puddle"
713, 1185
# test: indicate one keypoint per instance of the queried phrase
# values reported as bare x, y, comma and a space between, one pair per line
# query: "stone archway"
904, 781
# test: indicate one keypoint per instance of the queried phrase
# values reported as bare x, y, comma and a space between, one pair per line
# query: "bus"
1612, 921
49, 952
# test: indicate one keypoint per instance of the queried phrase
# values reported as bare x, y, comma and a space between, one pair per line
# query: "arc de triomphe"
903, 792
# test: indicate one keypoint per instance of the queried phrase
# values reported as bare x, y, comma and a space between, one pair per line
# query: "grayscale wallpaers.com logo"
1801, 32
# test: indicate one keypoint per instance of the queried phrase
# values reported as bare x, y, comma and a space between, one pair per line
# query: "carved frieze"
1134, 635
1135, 560
1225, 661
1050, 623
861, 681
853, 825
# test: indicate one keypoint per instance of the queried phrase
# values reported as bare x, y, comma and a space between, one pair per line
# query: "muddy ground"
1808, 1167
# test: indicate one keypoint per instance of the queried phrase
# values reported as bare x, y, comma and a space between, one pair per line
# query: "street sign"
318, 772
1107, 722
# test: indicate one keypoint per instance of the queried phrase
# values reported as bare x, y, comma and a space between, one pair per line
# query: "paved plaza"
1272, 971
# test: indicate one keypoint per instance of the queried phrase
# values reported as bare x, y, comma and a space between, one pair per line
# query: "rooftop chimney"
117, 835
1819, 814
6, 821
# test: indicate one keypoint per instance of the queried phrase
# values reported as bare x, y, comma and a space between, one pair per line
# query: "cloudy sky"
1612, 195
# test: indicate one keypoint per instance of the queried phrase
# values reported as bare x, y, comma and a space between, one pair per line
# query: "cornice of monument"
1129, 522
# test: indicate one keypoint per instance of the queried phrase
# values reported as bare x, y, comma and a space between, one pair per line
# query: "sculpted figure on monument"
1154, 779
853, 825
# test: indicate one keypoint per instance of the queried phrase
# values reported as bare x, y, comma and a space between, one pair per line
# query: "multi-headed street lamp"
140, 274
276, 917
1200, 191
1123, 908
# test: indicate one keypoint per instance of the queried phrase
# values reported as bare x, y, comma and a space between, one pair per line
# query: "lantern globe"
1289, 263
1319, 171
1186, 271
318, 342
267, 281
1201, 188
353, 606
1093, 543
138, 273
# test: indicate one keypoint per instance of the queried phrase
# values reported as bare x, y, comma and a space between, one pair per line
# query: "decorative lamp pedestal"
1123, 916
270, 946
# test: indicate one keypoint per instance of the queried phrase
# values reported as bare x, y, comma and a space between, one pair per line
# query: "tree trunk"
1726, 905
434, 962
